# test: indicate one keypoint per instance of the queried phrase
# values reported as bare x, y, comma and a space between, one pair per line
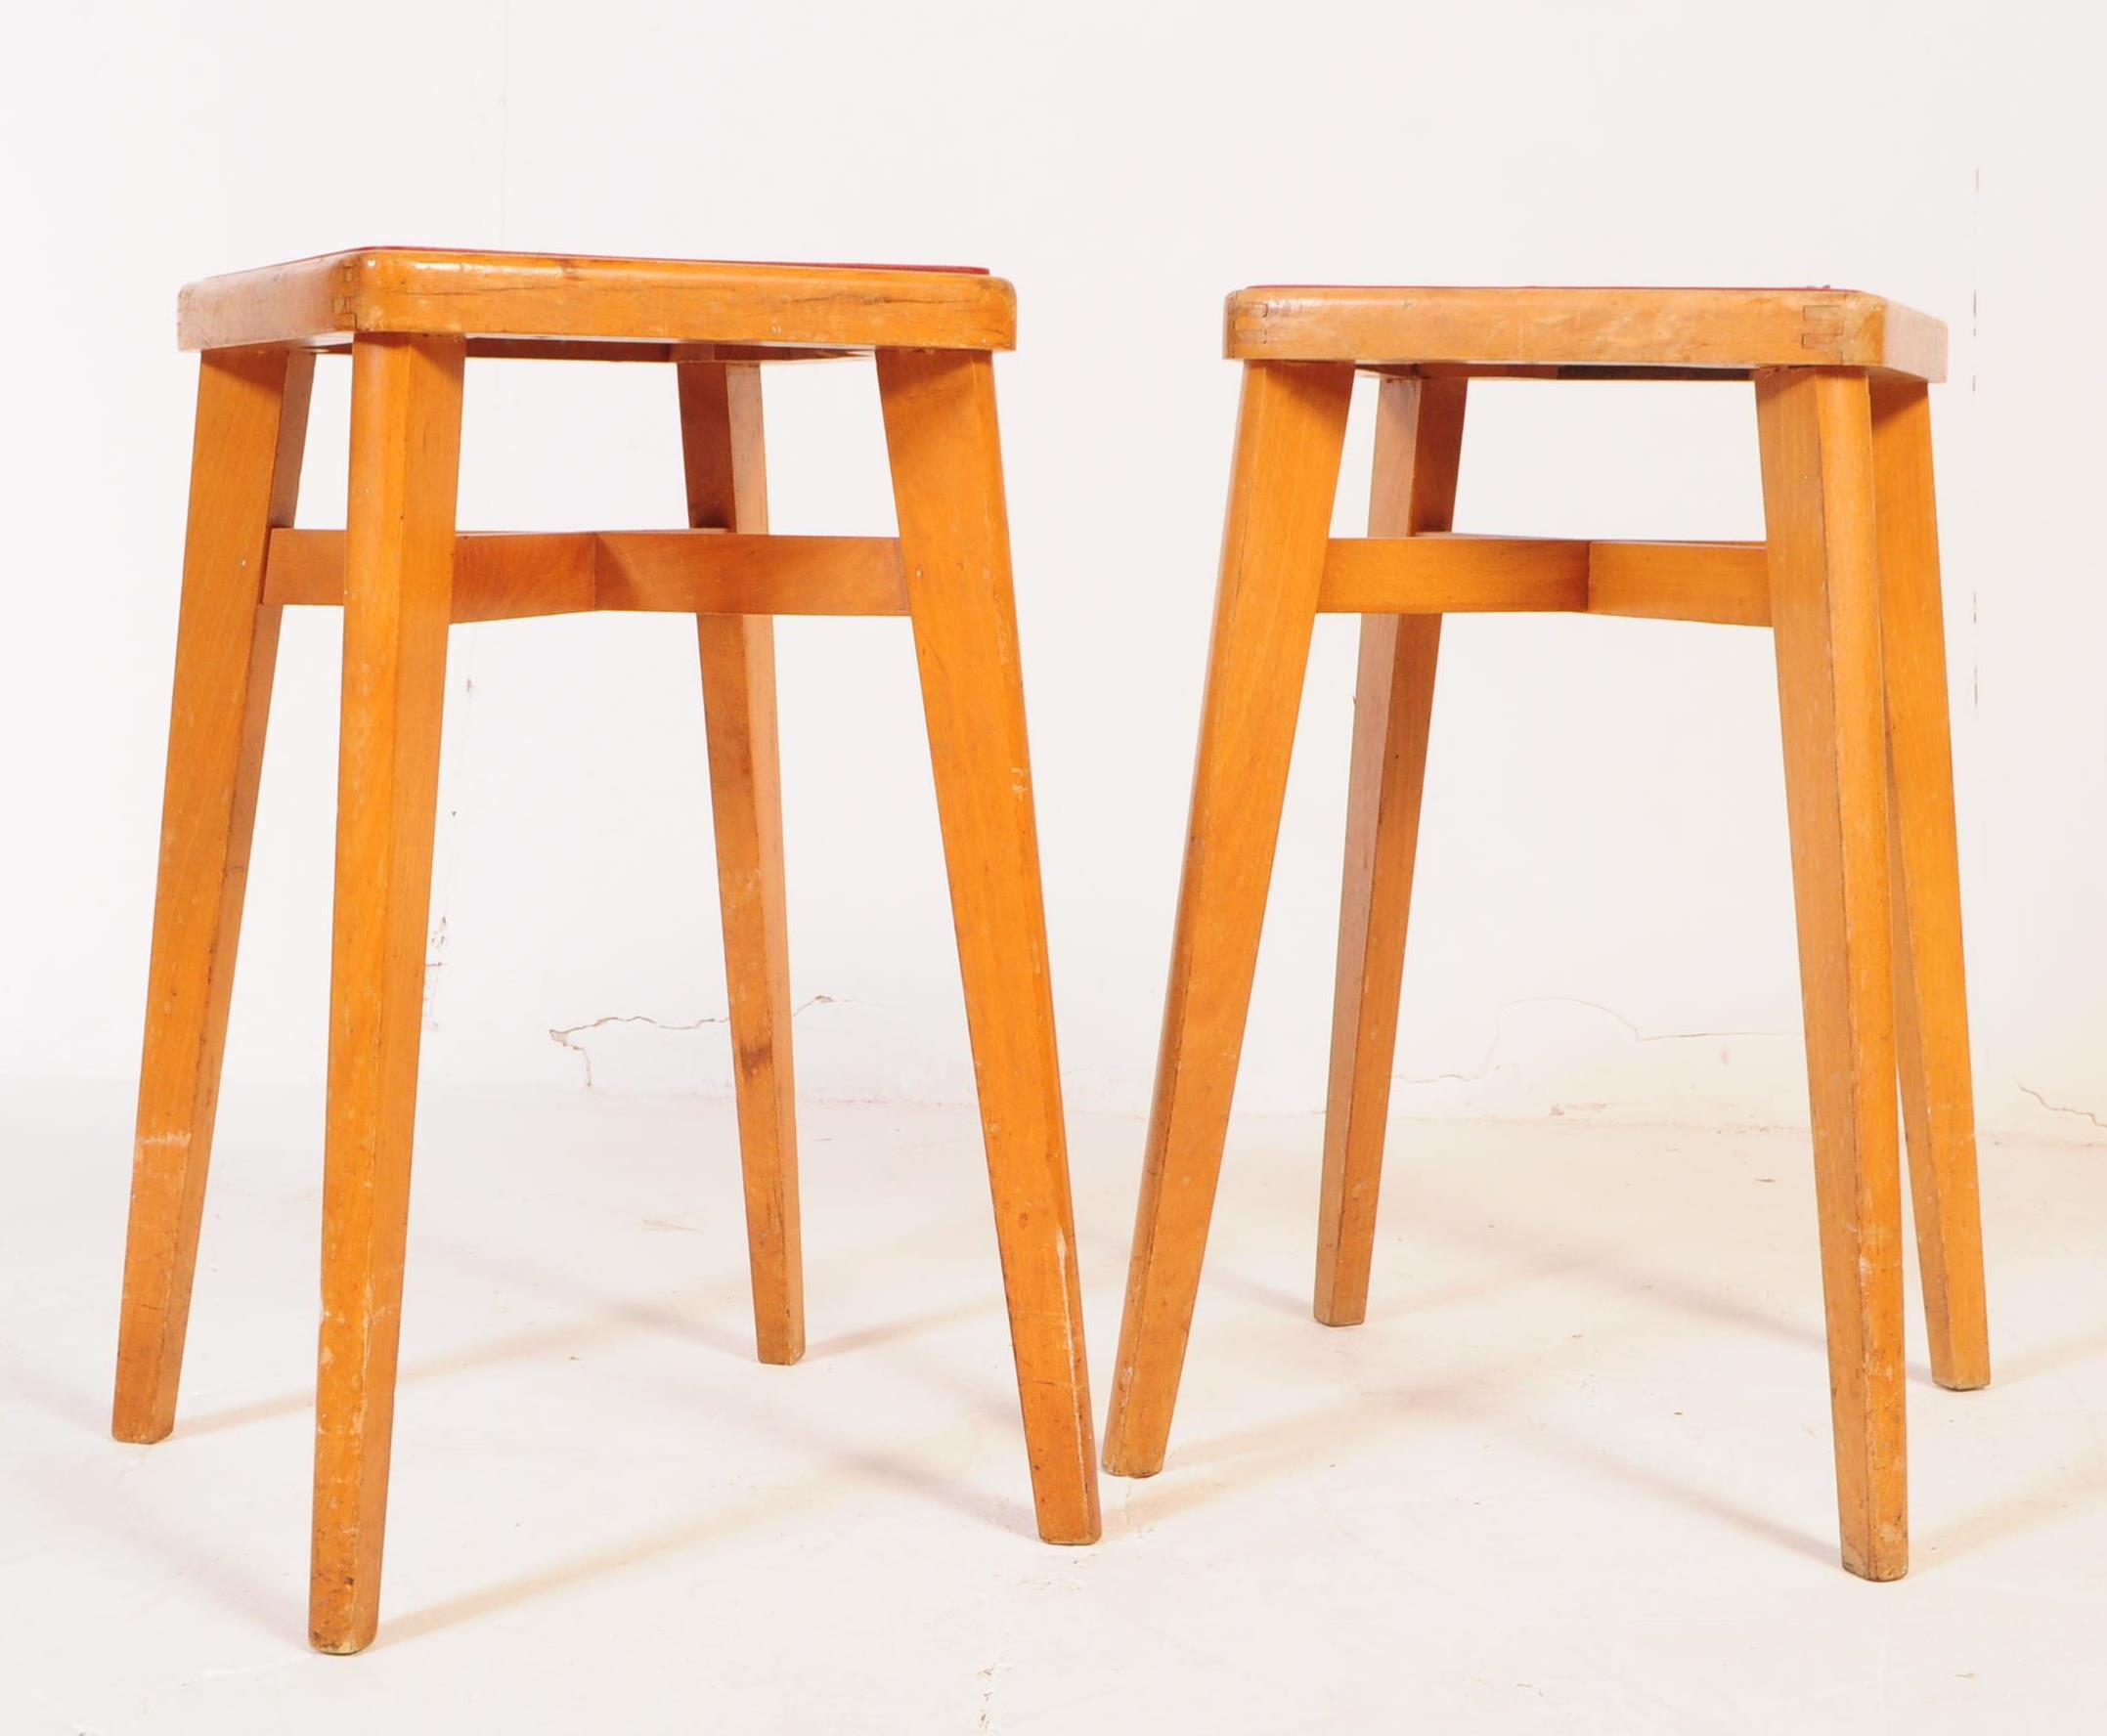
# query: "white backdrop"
1603, 924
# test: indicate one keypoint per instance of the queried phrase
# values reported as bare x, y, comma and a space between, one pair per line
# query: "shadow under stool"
409, 319
1847, 580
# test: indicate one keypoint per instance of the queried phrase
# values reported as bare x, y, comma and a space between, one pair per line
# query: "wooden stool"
409, 319
1849, 583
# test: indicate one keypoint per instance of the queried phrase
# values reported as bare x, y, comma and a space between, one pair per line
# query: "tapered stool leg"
1818, 481
723, 452
1419, 438
244, 479
1289, 430
398, 588
939, 424
1931, 992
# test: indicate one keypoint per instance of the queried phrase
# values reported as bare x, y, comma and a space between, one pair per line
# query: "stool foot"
398, 582
939, 424
1931, 994
1817, 479
1289, 431
244, 478
724, 456
1419, 437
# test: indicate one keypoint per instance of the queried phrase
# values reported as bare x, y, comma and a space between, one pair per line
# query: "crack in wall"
1498, 1031
563, 1038
2061, 1108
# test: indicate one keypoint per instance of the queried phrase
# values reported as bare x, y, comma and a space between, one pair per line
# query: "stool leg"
939, 424
1817, 482
1931, 993
1419, 437
244, 478
724, 455
398, 593
1289, 430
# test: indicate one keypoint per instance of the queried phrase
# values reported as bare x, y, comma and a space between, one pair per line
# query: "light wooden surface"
1816, 430
1931, 993
1724, 582
946, 461
244, 478
409, 319
398, 572
1648, 330
554, 296
1419, 443
724, 459
1850, 561
1291, 427
512, 576
612, 349
1439, 573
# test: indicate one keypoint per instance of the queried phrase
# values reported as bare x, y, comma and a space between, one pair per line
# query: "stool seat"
499, 299
1580, 334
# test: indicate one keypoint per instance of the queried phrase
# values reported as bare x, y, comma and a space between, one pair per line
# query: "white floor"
1573, 1476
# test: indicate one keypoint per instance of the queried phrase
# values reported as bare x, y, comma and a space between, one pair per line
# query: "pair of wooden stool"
1848, 581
